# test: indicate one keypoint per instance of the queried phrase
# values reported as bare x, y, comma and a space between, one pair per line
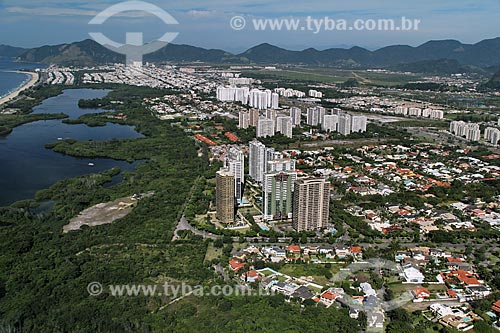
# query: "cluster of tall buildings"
289, 92
469, 131
472, 132
263, 99
271, 123
304, 201
492, 135
248, 118
233, 94
255, 98
341, 122
230, 181
235, 81
284, 196
315, 94
418, 112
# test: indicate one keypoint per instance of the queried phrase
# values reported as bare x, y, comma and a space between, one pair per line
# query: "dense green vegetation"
493, 83
257, 314
25, 105
34, 97
425, 86
45, 273
8, 122
436, 67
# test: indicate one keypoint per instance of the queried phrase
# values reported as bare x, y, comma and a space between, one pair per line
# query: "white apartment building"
344, 126
235, 163
296, 115
244, 119
330, 123
492, 135
358, 124
315, 94
315, 115
265, 127
284, 126
469, 131
259, 155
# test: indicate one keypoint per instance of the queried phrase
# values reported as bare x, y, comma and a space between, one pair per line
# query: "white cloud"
200, 13
52, 11
47, 11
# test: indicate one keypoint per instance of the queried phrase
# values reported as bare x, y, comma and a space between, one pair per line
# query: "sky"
31, 23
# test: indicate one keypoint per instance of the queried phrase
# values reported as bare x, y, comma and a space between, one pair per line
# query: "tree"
218, 243
309, 302
483, 327
363, 320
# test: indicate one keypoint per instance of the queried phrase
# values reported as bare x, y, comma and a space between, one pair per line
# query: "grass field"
317, 271
212, 252
332, 76
399, 287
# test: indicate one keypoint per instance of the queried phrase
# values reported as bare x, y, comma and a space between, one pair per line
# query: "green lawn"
317, 271
212, 253
335, 76
267, 272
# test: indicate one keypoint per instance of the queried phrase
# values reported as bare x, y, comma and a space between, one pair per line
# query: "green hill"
443, 57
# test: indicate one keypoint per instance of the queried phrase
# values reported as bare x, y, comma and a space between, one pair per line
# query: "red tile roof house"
420, 293
251, 276
295, 249
452, 293
455, 259
328, 298
478, 212
236, 265
357, 252
496, 306
467, 278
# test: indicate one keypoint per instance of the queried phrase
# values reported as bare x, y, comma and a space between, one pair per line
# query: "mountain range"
11, 51
429, 57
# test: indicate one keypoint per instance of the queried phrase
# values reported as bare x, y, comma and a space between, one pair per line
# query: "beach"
33, 80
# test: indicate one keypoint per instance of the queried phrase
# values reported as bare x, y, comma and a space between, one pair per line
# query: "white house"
411, 274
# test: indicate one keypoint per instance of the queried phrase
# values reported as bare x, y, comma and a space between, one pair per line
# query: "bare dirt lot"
102, 213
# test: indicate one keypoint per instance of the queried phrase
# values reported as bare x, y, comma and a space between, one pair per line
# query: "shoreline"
32, 81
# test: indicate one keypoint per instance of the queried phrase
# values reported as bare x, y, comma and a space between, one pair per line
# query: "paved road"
184, 225
219, 269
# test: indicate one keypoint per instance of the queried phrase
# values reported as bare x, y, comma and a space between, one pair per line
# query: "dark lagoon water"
10, 81
26, 166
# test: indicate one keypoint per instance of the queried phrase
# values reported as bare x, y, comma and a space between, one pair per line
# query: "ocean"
10, 81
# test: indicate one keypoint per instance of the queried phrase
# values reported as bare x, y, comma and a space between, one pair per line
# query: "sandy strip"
29, 84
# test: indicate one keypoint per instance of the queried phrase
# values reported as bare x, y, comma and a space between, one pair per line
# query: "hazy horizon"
207, 25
